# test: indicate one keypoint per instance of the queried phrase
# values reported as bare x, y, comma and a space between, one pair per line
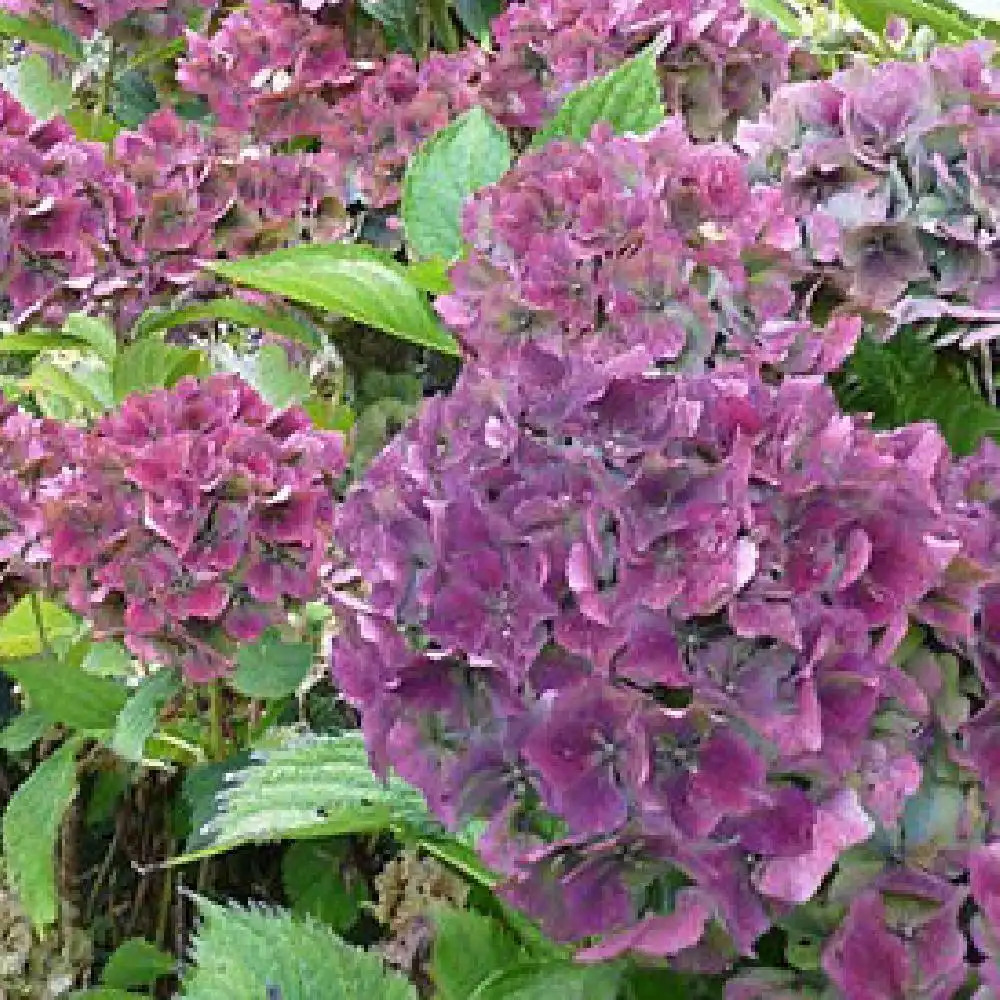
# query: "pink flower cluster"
638, 251
187, 522
274, 72
711, 658
82, 231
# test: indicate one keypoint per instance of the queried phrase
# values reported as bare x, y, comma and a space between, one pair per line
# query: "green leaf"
256, 953
151, 364
157, 320
270, 667
476, 15
40, 93
104, 993
65, 694
319, 885
468, 949
32, 343
311, 786
949, 23
349, 279
19, 627
906, 380
93, 332
40, 32
30, 826
77, 389
430, 275
268, 371
133, 98
547, 980
107, 659
23, 731
87, 126
137, 720
470, 153
136, 962
628, 98
779, 12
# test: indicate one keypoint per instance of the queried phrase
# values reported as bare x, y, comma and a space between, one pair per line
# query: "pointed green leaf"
352, 280
469, 948
546, 980
22, 731
19, 627
94, 332
628, 98
65, 694
77, 389
157, 320
137, 720
319, 885
950, 24
270, 667
476, 15
470, 153
268, 371
779, 12
33, 342
41, 94
151, 364
30, 827
40, 33
300, 960
136, 962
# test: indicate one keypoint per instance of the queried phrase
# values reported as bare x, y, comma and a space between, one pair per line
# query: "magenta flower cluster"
893, 173
273, 72
83, 231
637, 251
32, 453
708, 656
186, 522
160, 18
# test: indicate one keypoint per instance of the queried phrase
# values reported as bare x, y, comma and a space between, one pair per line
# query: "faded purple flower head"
193, 517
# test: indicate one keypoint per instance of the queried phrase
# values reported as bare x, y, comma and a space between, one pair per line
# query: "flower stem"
216, 740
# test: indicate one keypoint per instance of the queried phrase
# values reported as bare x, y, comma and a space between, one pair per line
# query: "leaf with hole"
309, 786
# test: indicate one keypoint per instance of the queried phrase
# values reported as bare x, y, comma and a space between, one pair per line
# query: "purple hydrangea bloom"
191, 518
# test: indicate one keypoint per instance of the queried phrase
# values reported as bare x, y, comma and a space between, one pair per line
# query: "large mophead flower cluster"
191, 520
658, 631
640, 251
